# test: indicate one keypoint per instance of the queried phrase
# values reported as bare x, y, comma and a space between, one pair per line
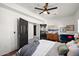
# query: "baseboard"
10, 53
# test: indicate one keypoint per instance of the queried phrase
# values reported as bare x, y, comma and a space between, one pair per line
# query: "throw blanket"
28, 50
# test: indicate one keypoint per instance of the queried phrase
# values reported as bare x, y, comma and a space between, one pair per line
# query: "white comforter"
43, 48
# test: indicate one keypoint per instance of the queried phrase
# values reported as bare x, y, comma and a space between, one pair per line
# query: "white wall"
16, 7
8, 25
76, 17
38, 31
63, 21
30, 30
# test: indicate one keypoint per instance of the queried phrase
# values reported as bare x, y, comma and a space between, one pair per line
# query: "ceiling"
64, 9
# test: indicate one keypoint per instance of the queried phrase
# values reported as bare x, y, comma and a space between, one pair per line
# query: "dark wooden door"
23, 32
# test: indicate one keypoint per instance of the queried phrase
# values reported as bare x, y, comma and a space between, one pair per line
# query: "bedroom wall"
30, 30
76, 17
38, 30
62, 21
8, 25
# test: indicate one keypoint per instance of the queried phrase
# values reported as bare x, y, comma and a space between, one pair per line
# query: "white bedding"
43, 48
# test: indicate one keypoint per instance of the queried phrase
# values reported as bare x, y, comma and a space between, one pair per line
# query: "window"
78, 25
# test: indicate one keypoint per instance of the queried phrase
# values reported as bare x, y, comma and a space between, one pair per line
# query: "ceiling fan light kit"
45, 12
45, 9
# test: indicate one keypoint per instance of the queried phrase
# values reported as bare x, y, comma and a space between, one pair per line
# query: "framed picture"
62, 29
70, 28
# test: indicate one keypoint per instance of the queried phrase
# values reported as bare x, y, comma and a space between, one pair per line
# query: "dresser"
52, 37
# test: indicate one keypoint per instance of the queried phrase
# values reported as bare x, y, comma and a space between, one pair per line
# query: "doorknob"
14, 32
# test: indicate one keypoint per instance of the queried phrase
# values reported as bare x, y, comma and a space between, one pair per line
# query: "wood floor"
13, 53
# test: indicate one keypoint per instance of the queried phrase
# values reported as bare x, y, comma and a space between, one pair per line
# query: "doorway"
34, 30
22, 32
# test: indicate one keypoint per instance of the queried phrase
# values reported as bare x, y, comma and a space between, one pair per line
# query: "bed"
42, 48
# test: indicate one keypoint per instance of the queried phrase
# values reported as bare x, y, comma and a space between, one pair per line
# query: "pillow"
70, 43
73, 49
73, 52
77, 40
63, 50
34, 40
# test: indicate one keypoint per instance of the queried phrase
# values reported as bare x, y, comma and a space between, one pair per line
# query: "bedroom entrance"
22, 32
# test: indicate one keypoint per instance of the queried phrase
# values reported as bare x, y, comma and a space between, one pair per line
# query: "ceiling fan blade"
41, 12
52, 8
38, 8
48, 12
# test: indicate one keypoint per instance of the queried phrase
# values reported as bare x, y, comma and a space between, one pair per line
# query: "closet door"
23, 32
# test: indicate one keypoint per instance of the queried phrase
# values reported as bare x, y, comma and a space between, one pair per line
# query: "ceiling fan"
45, 9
